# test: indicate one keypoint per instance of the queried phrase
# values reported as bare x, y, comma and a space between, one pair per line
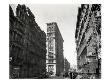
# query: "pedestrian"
74, 75
71, 75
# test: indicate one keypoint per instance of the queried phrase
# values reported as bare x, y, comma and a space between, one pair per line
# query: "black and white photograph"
55, 41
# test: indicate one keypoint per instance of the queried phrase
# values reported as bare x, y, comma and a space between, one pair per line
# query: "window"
49, 29
50, 61
50, 66
52, 28
50, 47
49, 34
51, 56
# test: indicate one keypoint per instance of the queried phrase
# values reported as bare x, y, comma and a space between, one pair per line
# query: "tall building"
66, 65
27, 45
88, 39
54, 57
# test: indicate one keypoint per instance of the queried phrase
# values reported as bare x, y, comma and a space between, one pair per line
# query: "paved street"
60, 77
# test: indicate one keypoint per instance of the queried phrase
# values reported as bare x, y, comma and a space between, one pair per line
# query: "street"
59, 77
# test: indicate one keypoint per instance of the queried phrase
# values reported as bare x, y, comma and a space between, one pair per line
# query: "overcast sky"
65, 15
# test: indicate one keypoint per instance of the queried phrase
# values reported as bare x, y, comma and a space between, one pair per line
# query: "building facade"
54, 57
27, 44
88, 38
66, 65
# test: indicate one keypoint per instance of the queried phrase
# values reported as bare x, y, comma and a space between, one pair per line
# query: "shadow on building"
27, 45
88, 40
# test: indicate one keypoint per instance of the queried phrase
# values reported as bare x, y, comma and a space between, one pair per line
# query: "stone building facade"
54, 57
88, 38
27, 44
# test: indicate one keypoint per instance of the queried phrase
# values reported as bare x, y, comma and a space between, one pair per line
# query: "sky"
65, 15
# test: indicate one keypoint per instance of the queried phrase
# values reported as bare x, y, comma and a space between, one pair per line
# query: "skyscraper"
27, 45
88, 38
54, 57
